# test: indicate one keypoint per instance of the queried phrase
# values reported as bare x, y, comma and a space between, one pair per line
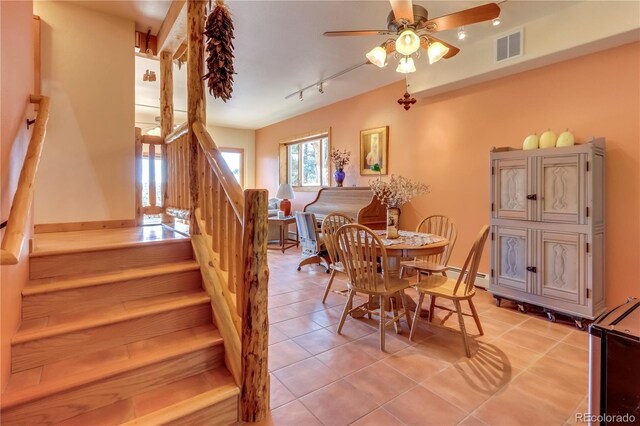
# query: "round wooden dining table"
397, 251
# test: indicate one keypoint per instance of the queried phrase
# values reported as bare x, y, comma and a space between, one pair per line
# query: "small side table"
285, 241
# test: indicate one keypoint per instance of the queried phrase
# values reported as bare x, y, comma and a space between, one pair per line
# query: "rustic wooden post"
138, 168
166, 122
254, 402
195, 93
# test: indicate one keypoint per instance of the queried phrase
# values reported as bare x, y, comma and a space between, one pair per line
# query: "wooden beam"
254, 401
166, 120
173, 31
195, 92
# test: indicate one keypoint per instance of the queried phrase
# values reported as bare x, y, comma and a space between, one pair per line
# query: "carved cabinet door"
512, 255
561, 189
511, 185
561, 262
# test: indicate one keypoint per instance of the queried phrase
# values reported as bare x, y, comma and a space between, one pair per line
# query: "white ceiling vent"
509, 46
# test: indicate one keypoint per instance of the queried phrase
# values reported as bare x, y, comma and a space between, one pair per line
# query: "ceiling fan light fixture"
436, 51
495, 21
378, 56
462, 34
406, 65
408, 43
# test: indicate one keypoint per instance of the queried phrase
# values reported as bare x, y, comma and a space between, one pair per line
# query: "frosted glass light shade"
406, 65
408, 43
436, 52
285, 192
378, 56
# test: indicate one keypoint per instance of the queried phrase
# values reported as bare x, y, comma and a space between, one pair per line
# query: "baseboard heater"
482, 279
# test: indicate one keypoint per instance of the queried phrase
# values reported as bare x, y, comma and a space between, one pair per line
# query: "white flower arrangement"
340, 158
397, 191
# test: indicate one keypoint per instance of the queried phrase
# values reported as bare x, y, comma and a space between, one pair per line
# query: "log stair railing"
17, 222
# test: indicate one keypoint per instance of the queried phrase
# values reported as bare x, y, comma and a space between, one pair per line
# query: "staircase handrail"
21, 205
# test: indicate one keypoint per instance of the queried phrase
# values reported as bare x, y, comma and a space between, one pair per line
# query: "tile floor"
525, 369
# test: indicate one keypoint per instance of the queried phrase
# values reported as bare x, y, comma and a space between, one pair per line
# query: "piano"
358, 203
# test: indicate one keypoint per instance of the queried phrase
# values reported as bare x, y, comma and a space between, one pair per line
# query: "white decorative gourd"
531, 142
565, 139
548, 139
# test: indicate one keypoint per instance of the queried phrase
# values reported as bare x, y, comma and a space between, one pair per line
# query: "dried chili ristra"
219, 32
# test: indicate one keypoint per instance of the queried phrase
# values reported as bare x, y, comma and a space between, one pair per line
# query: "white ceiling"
279, 49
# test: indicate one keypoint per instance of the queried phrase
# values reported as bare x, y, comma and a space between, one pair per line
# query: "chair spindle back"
330, 225
445, 227
471, 264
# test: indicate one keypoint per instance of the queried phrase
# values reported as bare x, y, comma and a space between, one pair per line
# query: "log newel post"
166, 122
254, 392
195, 92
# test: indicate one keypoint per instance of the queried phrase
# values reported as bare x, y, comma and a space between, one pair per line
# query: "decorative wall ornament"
219, 32
406, 101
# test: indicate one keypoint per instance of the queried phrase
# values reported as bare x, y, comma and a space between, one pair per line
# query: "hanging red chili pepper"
219, 32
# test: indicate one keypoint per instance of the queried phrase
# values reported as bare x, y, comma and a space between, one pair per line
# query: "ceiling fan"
411, 23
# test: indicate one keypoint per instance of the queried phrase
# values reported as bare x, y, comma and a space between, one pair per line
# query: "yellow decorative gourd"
548, 139
566, 139
531, 142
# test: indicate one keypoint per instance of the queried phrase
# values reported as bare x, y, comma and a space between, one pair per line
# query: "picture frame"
374, 148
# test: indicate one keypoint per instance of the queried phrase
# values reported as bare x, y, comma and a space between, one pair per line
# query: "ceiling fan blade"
453, 51
356, 33
402, 9
464, 17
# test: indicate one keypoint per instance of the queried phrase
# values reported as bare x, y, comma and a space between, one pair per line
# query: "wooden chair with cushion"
313, 248
331, 223
358, 247
455, 290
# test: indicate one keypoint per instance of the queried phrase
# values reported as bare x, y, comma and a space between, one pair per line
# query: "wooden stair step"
151, 365
66, 336
74, 261
48, 296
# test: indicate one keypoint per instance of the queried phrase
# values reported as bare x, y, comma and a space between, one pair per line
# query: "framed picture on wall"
374, 144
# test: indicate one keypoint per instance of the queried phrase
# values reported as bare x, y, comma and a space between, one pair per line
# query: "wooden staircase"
118, 333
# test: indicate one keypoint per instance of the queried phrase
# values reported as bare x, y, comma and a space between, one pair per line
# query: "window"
304, 162
235, 160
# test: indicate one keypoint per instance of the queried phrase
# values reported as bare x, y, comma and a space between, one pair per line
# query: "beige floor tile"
292, 414
472, 421
577, 338
573, 355
298, 326
305, 376
446, 346
326, 317
340, 403
505, 352
415, 364
279, 393
505, 315
380, 382
420, 406
281, 313
276, 335
532, 341
379, 417
371, 344
321, 340
346, 359
286, 353
562, 374
546, 328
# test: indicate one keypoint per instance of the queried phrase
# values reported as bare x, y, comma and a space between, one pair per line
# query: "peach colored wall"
445, 140
16, 85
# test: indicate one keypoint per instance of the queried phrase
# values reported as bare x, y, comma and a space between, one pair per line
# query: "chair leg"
407, 314
383, 318
394, 312
369, 306
463, 329
402, 272
326, 290
345, 312
416, 316
476, 318
432, 307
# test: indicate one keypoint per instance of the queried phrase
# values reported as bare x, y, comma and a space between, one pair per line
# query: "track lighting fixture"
321, 88
462, 34
300, 98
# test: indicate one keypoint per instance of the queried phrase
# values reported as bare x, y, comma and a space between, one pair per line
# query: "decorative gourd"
548, 139
566, 139
531, 142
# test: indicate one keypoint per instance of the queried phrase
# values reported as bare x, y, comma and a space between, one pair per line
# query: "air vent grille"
509, 46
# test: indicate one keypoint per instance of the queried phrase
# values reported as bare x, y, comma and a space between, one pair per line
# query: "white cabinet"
547, 217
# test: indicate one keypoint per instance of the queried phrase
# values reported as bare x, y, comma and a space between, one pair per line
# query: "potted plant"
393, 194
339, 159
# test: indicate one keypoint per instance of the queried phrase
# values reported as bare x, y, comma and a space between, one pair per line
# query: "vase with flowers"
339, 159
393, 194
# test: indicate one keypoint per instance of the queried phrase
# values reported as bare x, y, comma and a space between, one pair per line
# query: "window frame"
299, 140
242, 165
